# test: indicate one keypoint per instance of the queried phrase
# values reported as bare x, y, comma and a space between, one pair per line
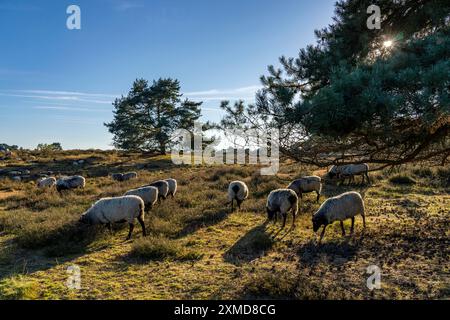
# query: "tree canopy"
145, 119
352, 98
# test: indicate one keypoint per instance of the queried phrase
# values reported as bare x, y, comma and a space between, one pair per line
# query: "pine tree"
145, 119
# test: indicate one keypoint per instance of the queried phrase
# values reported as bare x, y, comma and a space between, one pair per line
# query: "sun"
387, 43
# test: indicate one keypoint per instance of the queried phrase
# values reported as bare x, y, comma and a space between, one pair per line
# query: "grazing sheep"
46, 183
306, 185
339, 208
117, 176
163, 188
129, 175
68, 183
281, 201
352, 170
237, 190
148, 194
116, 210
172, 186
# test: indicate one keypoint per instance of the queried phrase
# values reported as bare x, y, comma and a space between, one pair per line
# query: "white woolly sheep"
148, 194
352, 170
46, 182
306, 185
163, 188
68, 183
237, 190
280, 201
129, 175
116, 210
117, 176
339, 208
172, 186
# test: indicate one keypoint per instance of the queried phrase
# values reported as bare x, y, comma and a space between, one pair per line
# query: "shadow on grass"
206, 219
251, 246
336, 252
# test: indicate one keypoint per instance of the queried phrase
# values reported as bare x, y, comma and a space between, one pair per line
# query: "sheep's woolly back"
46, 182
306, 184
72, 182
162, 185
282, 200
117, 176
355, 169
148, 194
237, 190
129, 176
110, 210
341, 207
172, 186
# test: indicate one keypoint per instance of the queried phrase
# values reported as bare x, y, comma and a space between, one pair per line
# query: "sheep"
163, 188
148, 194
68, 183
117, 176
46, 183
237, 190
129, 175
172, 186
306, 185
339, 208
281, 201
352, 170
116, 210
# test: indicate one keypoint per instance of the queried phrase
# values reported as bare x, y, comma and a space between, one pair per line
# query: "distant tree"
4, 147
145, 119
55, 146
359, 95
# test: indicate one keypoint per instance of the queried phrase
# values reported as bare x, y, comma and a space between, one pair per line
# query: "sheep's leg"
172, 195
353, 225
141, 221
322, 234
284, 220
131, 231
239, 202
364, 221
293, 218
367, 176
318, 196
109, 226
232, 207
342, 228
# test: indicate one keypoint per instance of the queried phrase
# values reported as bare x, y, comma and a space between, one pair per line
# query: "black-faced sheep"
68, 183
280, 201
237, 190
163, 188
116, 210
339, 208
306, 185
352, 170
46, 183
172, 187
148, 194
129, 175
117, 176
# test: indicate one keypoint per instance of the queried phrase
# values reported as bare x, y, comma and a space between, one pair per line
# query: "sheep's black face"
270, 214
316, 224
84, 219
331, 175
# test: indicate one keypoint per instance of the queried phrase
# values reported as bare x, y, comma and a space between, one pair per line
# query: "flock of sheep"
339, 208
133, 204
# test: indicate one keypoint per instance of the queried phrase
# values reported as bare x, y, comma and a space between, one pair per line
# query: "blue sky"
58, 84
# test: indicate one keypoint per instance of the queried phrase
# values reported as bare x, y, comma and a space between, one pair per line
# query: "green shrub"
17, 288
402, 179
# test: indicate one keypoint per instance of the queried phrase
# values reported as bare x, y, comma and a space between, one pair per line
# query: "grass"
208, 252
159, 248
402, 179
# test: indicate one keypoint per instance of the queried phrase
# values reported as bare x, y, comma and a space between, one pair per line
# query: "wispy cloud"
127, 5
68, 96
242, 93
66, 108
